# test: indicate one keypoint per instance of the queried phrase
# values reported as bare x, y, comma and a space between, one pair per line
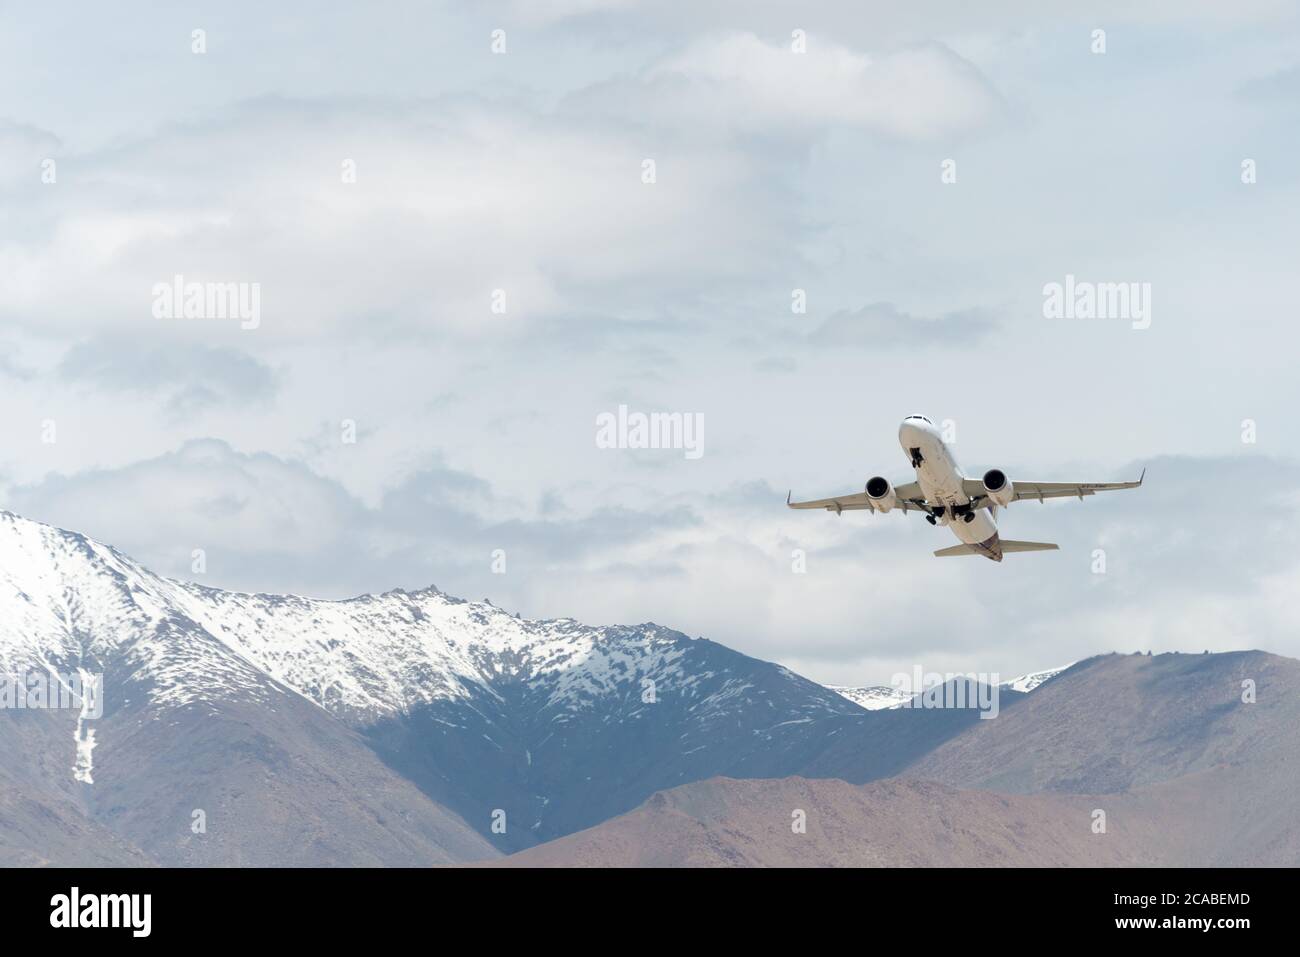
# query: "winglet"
1143, 475
787, 496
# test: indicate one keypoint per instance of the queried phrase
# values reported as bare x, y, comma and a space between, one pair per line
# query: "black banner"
301, 906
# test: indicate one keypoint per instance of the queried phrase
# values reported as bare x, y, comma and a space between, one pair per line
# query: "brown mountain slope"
894, 823
1117, 722
278, 783
279, 786
1199, 820
43, 825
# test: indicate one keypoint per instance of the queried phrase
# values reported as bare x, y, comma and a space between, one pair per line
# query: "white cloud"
922, 92
548, 11
775, 171
451, 203
872, 601
23, 149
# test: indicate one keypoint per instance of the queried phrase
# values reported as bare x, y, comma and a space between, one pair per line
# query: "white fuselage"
940, 478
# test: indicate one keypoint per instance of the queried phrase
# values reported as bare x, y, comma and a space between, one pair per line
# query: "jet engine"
998, 487
881, 493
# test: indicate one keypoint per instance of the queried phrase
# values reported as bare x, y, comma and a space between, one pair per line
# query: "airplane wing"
910, 499
1045, 490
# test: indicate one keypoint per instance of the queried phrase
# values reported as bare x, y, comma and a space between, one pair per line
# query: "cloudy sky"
517, 175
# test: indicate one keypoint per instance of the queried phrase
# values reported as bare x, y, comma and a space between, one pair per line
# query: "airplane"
948, 497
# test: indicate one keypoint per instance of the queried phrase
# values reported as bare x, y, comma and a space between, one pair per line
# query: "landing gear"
965, 512
931, 520
916, 458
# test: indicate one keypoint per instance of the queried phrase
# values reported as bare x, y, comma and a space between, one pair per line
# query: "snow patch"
874, 698
85, 763
1029, 682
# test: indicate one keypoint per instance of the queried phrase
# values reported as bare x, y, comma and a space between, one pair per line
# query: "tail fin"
1027, 546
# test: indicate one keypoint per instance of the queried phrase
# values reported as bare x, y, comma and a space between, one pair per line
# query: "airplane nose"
911, 433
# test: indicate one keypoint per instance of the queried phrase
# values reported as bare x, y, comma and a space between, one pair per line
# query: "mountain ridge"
538, 708
415, 727
1123, 760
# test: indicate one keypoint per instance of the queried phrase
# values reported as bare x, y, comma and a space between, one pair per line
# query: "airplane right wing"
910, 499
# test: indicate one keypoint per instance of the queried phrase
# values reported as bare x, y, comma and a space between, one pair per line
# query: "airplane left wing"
910, 499
1045, 490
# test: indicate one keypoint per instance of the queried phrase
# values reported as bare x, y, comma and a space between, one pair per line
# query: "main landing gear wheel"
968, 517
931, 520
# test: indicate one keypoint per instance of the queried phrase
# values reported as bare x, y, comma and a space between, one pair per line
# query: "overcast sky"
774, 171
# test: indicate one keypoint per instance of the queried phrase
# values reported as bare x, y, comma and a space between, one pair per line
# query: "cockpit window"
922, 418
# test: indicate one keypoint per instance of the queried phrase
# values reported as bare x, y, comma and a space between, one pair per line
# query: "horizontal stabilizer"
1027, 546
1007, 546
956, 550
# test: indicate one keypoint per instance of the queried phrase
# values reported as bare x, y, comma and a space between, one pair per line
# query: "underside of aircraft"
946, 496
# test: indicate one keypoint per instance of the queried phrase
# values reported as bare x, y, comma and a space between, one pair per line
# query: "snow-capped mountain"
554, 722
200, 755
880, 697
407, 727
874, 697
416, 728
70, 602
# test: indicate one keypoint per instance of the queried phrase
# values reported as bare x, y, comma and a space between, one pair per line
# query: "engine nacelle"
998, 487
881, 493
